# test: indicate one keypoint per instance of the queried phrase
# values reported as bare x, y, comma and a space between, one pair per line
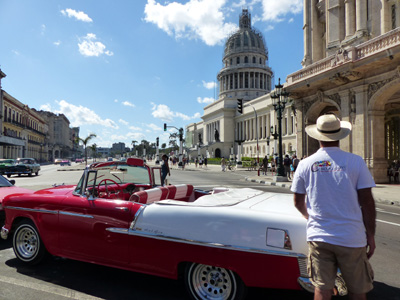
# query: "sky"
123, 68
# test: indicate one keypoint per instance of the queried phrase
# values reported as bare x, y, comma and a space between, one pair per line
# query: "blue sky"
122, 68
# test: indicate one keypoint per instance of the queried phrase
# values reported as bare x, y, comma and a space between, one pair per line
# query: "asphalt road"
66, 279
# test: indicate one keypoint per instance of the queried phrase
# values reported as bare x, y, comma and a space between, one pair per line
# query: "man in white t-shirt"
333, 192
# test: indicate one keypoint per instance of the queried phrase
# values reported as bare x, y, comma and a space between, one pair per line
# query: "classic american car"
7, 187
5, 164
27, 166
219, 241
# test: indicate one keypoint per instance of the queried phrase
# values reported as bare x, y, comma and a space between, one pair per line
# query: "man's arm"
300, 204
367, 203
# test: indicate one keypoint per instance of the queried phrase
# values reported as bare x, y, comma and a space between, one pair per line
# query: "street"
60, 278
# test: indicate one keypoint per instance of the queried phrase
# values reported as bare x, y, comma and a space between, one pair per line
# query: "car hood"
58, 190
11, 190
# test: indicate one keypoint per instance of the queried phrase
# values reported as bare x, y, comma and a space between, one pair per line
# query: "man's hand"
370, 246
300, 203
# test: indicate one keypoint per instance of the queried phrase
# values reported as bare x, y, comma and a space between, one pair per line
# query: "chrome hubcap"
27, 243
212, 282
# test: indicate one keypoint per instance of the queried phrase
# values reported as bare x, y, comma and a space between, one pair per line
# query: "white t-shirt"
331, 178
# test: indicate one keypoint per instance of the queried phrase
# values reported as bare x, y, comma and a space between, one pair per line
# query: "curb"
283, 185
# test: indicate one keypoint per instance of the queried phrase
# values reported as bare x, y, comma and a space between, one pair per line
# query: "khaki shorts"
324, 259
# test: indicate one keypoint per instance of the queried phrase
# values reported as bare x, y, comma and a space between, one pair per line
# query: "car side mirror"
12, 181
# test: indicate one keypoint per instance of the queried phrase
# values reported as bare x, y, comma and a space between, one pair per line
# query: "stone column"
346, 143
350, 18
334, 23
361, 17
376, 162
306, 31
315, 45
385, 17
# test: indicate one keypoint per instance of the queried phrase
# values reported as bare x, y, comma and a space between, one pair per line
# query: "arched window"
237, 60
254, 59
261, 62
5, 112
246, 60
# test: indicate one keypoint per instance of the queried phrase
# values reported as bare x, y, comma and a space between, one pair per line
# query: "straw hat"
329, 128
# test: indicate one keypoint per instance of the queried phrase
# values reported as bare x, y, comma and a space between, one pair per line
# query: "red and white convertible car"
219, 241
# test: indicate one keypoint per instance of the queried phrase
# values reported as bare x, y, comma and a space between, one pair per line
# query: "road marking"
68, 293
386, 212
386, 222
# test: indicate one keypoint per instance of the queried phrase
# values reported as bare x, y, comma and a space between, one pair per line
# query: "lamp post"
279, 100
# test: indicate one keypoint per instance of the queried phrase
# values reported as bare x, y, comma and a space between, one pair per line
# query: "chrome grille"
303, 266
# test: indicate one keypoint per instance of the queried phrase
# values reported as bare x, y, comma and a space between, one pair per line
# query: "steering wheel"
108, 194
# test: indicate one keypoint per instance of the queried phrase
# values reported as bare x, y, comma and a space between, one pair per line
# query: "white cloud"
123, 122
153, 127
205, 100
164, 113
116, 100
127, 103
79, 15
79, 115
42, 29
209, 85
90, 47
276, 10
196, 19
135, 128
57, 43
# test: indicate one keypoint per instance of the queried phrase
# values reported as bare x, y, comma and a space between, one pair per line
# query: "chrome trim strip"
46, 211
202, 243
76, 215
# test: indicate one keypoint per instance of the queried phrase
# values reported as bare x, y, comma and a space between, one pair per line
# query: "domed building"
246, 73
224, 132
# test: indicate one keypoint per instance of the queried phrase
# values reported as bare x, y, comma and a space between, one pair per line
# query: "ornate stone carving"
336, 99
374, 87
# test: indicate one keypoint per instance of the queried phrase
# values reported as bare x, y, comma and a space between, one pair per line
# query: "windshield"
4, 182
112, 173
121, 174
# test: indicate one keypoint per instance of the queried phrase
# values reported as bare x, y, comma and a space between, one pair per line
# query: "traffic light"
180, 134
165, 126
157, 141
240, 105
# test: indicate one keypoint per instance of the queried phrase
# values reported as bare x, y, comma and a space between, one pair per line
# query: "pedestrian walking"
333, 192
164, 169
286, 164
223, 164
205, 162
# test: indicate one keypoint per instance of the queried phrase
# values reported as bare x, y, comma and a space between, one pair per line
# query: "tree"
93, 148
85, 141
133, 144
163, 145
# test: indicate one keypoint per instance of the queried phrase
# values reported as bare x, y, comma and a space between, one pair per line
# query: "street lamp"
279, 100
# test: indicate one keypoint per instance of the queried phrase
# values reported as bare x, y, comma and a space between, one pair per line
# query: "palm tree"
85, 141
94, 150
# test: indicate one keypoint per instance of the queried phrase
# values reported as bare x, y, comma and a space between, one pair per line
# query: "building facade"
223, 131
351, 67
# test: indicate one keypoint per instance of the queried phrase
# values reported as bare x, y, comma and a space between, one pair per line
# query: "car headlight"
278, 238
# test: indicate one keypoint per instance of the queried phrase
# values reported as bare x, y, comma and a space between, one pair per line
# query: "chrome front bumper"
4, 233
306, 284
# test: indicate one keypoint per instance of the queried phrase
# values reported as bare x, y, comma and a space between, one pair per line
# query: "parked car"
117, 215
65, 162
7, 187
79, 160
5, 164
57, 161
27, 166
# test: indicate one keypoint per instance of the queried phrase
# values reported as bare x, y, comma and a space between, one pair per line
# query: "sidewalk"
383, 193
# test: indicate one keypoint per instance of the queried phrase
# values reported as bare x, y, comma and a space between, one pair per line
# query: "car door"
84, 229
